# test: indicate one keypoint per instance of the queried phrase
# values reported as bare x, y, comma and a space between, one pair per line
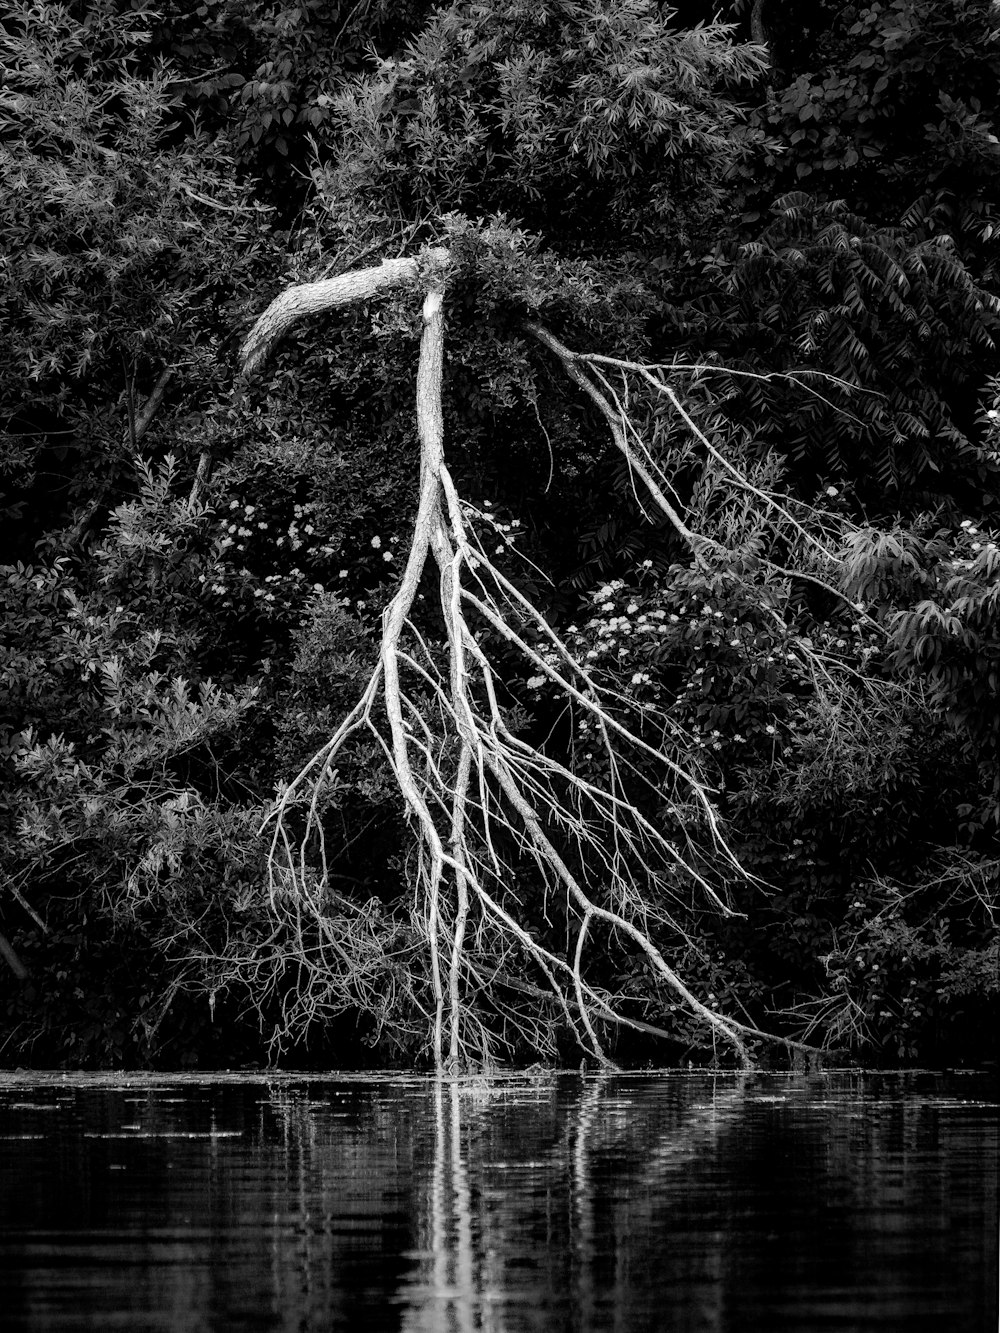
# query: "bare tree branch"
471, 786
313, 298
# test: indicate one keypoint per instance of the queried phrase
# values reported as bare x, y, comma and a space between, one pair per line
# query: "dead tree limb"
466, 778
313, 298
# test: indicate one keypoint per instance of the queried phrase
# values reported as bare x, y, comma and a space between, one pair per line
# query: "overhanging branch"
466, 778
314, 298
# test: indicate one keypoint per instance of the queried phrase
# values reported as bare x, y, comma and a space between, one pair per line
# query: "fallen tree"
473, 786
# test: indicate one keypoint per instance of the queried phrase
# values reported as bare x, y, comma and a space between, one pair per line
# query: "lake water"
675, 1202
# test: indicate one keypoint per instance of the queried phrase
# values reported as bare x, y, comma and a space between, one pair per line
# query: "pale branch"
571, 362
240, 208
313, 298
641, 461
462, 883
466, 780
725, 1026
818, 541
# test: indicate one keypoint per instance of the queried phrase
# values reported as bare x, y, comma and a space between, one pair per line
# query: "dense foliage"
195, 564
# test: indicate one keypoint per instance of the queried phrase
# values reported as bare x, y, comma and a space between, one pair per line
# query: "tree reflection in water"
475, 1270
686, 1203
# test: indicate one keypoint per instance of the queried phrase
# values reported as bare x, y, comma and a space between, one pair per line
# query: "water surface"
835, 1202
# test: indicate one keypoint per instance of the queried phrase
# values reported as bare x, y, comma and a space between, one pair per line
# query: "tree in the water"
620, 842
562, 781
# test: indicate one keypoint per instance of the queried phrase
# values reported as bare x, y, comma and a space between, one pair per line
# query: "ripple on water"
837, 1202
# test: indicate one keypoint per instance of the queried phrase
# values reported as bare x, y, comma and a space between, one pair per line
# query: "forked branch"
489, 810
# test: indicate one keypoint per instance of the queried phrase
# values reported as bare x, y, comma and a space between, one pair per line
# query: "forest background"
787, 214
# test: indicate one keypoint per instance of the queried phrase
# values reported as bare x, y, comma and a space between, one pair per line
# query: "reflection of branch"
583, 1202
704, 1120
469, 1296
453, 1296
466, 1274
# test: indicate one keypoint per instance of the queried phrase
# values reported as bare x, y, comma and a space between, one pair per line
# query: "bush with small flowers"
704, 649
843, 730
818, 783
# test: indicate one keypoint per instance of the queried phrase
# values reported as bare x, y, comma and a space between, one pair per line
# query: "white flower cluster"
612, 635
506, 531
243, 522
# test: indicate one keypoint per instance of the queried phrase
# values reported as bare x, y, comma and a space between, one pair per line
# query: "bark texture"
312, 298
